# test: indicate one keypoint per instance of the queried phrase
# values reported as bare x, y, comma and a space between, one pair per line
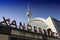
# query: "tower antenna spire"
28, 7
28, 14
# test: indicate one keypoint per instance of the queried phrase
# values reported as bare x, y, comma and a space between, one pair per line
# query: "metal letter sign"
29, 27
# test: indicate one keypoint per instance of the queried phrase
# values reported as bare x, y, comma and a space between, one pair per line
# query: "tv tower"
28, 14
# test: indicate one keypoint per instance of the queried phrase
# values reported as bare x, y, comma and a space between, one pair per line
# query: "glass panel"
39, 24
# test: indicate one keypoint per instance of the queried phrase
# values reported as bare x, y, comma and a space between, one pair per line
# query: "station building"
36, 29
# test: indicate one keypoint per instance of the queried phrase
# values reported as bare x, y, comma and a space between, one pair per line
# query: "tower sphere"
28, 14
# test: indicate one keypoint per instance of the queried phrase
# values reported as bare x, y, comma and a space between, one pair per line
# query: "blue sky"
16, 9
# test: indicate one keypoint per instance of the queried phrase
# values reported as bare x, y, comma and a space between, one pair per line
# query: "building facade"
36, 29
12, 33
50, 22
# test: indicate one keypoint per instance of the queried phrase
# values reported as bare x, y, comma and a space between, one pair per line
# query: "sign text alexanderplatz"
29, 27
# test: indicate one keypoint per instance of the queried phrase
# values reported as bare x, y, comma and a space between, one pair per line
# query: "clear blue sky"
16, 9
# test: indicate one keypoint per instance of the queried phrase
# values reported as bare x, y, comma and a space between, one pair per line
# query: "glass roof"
38, 23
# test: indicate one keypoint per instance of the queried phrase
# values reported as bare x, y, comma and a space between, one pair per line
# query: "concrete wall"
51, 38
25, 34
15, 32
4, 37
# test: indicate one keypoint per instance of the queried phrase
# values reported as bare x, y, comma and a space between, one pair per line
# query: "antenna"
28, 7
